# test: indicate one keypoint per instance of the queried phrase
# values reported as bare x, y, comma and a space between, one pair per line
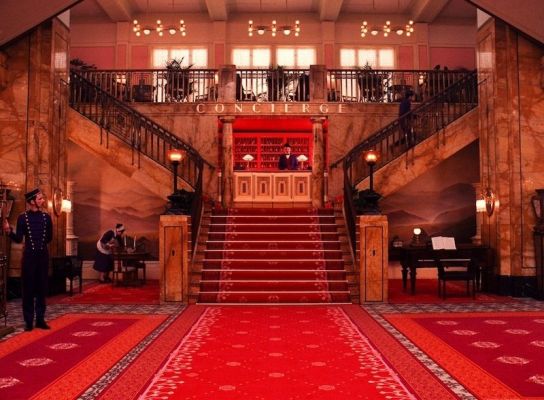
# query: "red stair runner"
273, 256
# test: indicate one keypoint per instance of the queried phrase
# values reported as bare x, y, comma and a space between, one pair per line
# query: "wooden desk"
412, 258
126, 266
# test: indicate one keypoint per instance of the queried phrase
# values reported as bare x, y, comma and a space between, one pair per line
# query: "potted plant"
178, 85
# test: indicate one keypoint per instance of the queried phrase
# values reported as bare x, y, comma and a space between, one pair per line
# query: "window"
295, 57
257, 57
198, 57
375, 57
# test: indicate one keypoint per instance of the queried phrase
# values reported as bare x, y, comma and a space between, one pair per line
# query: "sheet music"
443, 243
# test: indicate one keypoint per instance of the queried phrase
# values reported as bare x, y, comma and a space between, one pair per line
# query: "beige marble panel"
426, 155
373, 263
512, 129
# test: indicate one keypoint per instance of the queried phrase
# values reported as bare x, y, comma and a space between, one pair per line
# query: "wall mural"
441, 201
104, 196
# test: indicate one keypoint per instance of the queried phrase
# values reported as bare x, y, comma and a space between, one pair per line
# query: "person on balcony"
287, 160
36, 228
405, 118
103, 262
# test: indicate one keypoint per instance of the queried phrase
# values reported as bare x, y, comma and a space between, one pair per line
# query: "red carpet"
427, 293
275, 353
273, 256
63, 362
109, 294
494, 355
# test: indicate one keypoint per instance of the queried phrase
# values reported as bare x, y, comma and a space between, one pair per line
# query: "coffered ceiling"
419, 10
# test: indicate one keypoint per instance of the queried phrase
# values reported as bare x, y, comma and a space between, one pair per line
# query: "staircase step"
274, 297
260, 274
268, 227
273, 245
272, 236
289, 254
274, 211
311, 264
273, 286
272, 219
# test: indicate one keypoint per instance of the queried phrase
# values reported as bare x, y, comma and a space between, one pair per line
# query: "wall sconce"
489, 200
248, 158
302, 159
66, 206
480, 206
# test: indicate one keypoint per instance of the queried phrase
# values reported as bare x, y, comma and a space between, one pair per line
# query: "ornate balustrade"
270, 85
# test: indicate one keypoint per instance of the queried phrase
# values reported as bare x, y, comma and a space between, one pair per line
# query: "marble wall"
33, 105
512, 140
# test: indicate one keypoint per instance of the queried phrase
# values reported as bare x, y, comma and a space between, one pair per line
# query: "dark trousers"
34, 277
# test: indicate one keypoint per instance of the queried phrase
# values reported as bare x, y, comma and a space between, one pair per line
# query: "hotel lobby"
392, 254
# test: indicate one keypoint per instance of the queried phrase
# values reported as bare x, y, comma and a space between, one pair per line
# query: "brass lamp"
180, 200
367, 203
175, 156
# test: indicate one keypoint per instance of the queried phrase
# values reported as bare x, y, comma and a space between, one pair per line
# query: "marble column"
511, 138
227, 166
227, 84
477, 238
318, 162
318, 83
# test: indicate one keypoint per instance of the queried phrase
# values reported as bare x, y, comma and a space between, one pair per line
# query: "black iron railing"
143, 135
157, 85
280, 85
395, 139
386, 86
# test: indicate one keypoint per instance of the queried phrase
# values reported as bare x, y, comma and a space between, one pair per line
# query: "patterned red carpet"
109, 294
279, 352
495, 356
276, 353
63, 362
273, 256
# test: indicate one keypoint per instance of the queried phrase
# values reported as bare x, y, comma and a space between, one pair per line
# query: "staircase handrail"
456, 91
159, 131
141, 133
436, 113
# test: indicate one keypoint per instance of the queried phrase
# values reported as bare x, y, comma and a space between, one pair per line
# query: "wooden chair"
456, 269
69, 267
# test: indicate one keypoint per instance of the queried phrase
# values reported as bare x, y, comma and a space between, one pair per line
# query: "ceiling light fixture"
138, 29
386, 29
273, 28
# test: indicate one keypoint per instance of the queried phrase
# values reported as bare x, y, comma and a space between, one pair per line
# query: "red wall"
406, 57
103, 57
453, 57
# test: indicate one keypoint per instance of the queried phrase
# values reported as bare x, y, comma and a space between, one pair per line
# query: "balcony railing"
156, 85
271, 85
387, 86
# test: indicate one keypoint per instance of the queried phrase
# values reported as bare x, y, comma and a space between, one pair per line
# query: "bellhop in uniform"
36, 228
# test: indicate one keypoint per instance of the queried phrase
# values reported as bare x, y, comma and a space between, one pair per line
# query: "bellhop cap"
31, 195
120, 227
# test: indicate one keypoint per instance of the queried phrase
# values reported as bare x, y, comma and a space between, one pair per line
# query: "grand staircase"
262, 255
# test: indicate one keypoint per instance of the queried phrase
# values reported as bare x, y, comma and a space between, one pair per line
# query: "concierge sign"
270, 108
